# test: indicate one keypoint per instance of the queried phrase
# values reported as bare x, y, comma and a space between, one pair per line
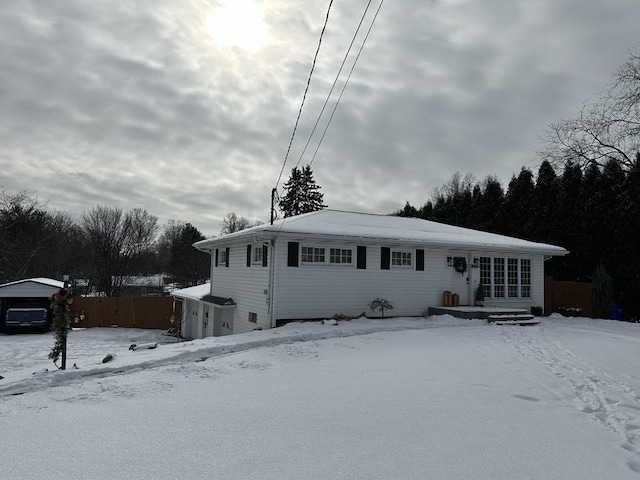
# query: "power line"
315, 57
346, 82
335, 81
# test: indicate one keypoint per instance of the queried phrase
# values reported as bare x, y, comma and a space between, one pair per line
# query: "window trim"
223, 261
255, 248
403, 255
324, 252
514, 274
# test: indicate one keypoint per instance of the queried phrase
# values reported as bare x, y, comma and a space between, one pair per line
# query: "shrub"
537, 311
602, 292
569, 311
480, 295
381, 304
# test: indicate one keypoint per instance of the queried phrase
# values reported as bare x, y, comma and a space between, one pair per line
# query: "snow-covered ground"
435, 398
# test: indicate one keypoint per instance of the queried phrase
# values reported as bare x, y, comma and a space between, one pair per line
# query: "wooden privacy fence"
128, 312
559, 294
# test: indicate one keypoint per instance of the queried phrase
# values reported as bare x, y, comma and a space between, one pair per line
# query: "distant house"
330, 262
30, 292
143, 286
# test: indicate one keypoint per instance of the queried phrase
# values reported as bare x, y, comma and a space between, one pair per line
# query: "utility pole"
274, 192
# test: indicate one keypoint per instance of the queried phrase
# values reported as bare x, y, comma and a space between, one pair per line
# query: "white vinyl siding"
246, 286
312, 291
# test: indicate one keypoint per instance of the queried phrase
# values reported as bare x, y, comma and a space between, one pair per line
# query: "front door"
460, 277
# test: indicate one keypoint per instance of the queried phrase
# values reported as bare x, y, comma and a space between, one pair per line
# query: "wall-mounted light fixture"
475, 263
450, 261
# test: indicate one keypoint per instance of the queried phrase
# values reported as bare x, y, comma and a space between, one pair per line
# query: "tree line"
100, 251
585, 196
106, 246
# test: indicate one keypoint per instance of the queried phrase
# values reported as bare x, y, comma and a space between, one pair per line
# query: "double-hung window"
256, 257
401, 258
313, 255
340, 256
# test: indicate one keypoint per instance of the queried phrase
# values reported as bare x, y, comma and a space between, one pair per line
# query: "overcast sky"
186, 110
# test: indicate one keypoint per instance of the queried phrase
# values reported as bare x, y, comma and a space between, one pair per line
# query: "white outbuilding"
27, 292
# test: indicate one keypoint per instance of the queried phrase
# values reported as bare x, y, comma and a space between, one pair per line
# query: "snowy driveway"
434, 398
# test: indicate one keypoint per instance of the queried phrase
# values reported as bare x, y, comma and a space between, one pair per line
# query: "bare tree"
114, 238
33, 241
232, 223
457, 185
606, 128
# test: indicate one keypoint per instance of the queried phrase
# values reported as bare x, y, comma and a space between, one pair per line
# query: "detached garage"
32, 292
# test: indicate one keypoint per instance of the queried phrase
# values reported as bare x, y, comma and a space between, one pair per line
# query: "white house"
333, 262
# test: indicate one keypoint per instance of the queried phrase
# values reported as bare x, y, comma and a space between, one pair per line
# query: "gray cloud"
135, 105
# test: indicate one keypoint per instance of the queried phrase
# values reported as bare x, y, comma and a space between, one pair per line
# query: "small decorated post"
60, 305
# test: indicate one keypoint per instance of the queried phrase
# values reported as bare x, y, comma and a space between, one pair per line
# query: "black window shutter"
217, 252
292, 256
361, 258
248, 255
227, 259
420, 259
385, 258
265, 252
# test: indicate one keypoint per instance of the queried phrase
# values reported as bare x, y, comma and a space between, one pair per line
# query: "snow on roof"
365, 226
44, 281
196, 292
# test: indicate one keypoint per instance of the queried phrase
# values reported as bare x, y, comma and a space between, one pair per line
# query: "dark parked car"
27, 318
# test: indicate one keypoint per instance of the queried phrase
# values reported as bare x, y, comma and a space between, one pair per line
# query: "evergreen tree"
627, 277
303, 194
518, 205
602, 292
407, 211
426, 211
544, 202
595, 239
567, 226
488, 206
188, 265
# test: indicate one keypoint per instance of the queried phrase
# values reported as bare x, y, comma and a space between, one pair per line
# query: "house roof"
41, 280
196, 292
351, 226
201, 292
221, 301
